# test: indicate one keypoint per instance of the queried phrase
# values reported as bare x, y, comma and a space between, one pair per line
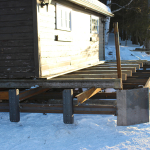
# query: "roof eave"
92, 6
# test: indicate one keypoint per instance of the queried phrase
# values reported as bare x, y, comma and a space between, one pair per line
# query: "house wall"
75, 49
16, 39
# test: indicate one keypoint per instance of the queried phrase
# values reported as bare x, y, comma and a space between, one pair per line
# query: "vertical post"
68, 116
14, 111
116, 33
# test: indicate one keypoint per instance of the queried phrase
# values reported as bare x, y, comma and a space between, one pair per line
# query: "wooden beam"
133, 85
143, 71
128, 72
46, 108
124, 76
66, 83
117, 45
122, 65
127, 62
141, 74
147, 63
136, 80
31, 92
52, 96
82, 97
112, 61
147, 85
4, 95
112, 68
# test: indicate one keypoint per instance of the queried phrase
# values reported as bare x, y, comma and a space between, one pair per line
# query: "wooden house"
50, 38
46, 38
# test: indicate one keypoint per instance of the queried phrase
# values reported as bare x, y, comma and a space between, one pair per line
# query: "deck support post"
133, 106
68, 116
14, 111
116, 33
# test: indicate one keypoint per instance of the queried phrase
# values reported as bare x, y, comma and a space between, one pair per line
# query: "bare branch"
122, 6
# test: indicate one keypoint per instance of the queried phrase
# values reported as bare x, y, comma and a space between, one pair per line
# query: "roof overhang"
94, 5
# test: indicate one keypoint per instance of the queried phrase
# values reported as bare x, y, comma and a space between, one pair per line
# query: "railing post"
116, 33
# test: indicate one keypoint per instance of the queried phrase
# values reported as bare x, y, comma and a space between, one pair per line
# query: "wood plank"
147, 85
17, 17
9, 46
16, 36
18, 63
13, 4
141, 74
127, 62
136, 80
143, 71
22, 69
128, 72
76, 83
20, 29
142, 49
82, 97
15, 10
46, 108
19, 75
23, 56
147, 63
122, 65
124, 76
112, 68
133, 85
4, 95
32, 92
50, 96
16, 23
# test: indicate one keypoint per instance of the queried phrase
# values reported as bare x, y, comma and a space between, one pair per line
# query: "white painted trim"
62, 10
94, 5
96, 18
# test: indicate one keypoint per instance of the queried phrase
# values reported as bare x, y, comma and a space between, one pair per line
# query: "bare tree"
107, 24
121, 7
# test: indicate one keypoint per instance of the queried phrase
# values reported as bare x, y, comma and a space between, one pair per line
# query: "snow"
126, 52
100, 4
89, 132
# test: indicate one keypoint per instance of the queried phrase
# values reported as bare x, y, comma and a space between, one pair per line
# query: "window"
95, 24
63, 18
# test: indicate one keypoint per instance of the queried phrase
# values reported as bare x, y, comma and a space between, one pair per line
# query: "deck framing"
85, 78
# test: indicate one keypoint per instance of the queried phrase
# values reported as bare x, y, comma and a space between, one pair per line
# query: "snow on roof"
94, 5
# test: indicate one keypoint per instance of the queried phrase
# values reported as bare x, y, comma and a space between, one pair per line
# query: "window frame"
63, 18
91, 26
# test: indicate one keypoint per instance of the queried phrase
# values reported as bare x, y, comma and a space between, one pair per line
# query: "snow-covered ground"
89, 132
125, 53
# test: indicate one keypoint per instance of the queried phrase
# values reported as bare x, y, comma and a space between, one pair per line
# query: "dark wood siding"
16, 39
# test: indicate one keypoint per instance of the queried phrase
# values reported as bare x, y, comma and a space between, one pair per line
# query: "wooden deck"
49, 96
98, 76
